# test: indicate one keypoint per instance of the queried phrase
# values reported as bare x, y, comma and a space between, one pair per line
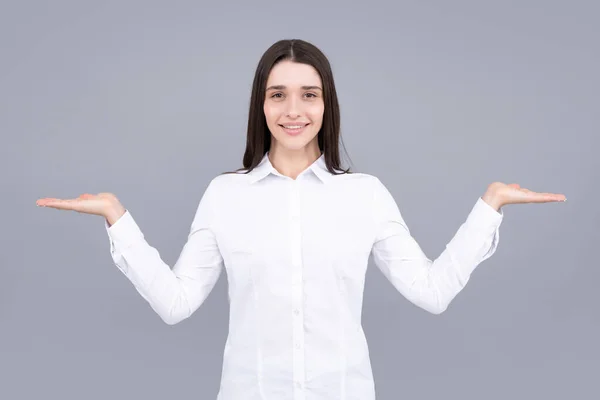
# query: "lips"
294, 129
292, 125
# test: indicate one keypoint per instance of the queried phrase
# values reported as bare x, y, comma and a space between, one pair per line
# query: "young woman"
294, 232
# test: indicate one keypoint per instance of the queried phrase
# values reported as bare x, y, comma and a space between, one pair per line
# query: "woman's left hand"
500, 194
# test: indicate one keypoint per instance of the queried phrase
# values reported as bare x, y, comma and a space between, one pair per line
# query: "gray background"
149, 100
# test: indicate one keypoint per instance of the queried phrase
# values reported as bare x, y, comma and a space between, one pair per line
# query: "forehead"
292, 74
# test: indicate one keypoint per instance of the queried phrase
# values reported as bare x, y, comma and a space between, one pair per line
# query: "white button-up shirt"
295, 253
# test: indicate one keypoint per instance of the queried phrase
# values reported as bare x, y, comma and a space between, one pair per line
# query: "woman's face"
294, 105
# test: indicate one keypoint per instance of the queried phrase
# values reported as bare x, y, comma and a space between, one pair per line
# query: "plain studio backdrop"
149, 100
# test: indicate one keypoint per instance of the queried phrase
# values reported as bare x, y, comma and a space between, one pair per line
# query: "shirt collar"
265, 168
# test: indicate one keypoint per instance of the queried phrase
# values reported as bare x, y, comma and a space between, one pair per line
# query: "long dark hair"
258, 139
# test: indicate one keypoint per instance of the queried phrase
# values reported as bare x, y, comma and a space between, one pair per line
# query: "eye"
311, 94
276, 95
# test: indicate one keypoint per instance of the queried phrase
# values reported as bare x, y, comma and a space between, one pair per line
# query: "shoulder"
354, 176
359, 180
228, 180
225, 187
369, 188
357, 188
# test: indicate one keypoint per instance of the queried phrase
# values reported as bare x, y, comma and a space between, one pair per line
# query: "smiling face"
294, 105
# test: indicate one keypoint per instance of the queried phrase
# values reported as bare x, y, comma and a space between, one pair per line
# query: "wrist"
492, 200
114, 212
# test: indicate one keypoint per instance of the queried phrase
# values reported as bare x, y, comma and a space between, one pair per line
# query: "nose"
292, 108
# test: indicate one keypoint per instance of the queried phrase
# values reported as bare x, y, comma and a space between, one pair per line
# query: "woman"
294, 232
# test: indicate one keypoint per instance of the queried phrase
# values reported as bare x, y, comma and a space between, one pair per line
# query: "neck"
292, 162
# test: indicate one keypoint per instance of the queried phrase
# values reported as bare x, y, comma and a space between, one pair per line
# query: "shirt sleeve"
431, 285
174, 294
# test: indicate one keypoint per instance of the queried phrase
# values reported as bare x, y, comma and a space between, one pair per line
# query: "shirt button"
299, 385
298, 346
296, 312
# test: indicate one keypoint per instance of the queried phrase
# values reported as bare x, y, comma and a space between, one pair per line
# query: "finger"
544, 197
42, 202
69, 204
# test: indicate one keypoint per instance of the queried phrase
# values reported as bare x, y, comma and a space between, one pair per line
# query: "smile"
293, 129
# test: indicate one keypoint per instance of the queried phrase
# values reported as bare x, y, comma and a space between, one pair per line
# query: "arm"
173, 294
431, 285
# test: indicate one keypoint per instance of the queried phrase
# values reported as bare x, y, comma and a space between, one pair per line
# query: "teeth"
293, 126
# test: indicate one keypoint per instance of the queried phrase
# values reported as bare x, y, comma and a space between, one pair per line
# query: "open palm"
96, 204
515, 194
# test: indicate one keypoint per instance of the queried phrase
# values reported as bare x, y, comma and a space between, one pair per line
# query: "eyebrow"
281, 87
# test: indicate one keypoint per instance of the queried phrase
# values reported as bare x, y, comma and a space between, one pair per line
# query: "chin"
292, 144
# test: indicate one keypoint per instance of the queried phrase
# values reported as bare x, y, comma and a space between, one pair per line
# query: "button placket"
297, 289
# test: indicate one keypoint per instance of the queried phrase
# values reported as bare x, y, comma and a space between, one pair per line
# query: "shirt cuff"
484, 218
125, 231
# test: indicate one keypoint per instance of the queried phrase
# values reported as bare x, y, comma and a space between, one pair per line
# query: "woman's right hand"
103, 204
